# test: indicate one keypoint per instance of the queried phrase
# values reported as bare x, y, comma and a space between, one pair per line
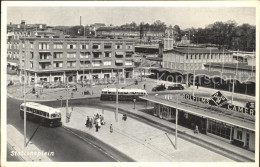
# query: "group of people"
98, 120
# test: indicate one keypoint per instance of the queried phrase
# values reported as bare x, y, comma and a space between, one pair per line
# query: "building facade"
230, 123
188, 59
75, 59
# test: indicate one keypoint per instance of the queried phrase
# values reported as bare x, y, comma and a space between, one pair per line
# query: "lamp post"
116, 114
176, 121
84, 61
24, 91
134, 103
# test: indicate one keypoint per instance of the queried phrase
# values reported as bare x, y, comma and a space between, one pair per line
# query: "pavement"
30, 153
145, 143
138, 140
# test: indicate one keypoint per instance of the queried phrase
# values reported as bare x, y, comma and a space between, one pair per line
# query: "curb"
35, 100
82, 136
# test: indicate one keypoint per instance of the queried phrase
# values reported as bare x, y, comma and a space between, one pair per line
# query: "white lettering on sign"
240, 109
196, 99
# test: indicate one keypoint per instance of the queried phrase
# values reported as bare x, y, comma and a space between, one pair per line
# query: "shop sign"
218, 98
239, 109
195, 98
221, 101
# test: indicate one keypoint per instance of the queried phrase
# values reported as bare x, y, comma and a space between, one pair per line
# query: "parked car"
250, 105
176, 87
159, 88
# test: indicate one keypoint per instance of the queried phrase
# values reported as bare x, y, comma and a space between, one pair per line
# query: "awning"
12, 64
119, 53
119, 61
96, 60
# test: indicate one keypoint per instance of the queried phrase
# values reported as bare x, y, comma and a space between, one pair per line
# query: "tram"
109, 94
41, 114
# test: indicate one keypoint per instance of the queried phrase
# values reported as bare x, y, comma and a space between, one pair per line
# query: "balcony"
119, 62
44, 60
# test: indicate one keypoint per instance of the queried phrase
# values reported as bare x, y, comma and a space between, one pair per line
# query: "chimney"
80, 20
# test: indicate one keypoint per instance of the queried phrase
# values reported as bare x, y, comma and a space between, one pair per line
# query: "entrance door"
247, 140
106, 75
127, 75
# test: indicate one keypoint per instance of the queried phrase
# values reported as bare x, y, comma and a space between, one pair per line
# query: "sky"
185, 17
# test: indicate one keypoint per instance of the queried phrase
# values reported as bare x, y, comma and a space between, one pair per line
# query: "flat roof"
232, 65
41, 107
198, 50
202, 111
211, 74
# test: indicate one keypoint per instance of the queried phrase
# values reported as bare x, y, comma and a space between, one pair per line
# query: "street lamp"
84, 61
134, 103
24, 99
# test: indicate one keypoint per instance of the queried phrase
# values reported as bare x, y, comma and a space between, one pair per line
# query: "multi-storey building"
194, 58
130, 32
17, 31
74, 59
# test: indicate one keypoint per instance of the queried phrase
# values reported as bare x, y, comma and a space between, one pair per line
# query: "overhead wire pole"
67, 101
176, 122
84, 62
116, 114
233, 83
24, 92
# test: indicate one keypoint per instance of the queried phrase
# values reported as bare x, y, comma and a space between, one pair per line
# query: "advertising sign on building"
218, 98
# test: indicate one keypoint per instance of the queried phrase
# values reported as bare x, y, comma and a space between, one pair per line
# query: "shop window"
239, 135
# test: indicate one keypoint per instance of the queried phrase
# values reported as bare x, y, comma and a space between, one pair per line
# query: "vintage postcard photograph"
130, 82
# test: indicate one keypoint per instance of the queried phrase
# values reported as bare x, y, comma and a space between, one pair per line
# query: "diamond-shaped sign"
218, 98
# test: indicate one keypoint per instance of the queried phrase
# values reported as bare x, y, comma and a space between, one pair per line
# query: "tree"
178, 31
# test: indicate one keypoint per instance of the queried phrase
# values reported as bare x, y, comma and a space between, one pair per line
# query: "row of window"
72, 64
59, 55
123, 93
205, 56
36, 112
219, 129
46, 46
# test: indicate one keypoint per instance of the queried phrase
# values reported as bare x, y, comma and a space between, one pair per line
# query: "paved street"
44, 136
66, 145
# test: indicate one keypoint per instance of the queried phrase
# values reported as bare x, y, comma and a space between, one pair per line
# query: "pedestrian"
197, 85
87, 123
37, 95
144, 86
90, 123
96, 127
196, 130
111, 128
99, 123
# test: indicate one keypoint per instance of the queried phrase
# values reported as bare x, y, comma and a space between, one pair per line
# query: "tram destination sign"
221, 100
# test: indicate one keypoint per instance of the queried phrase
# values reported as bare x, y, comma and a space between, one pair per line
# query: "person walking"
96, 127
90, 123
87, 123
144, 86
111, 128
99, 123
